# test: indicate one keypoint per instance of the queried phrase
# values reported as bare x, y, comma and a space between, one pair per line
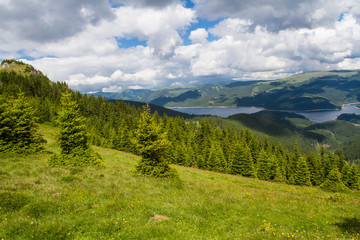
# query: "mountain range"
305, 91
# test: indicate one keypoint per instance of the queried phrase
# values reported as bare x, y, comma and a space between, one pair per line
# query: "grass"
39, 202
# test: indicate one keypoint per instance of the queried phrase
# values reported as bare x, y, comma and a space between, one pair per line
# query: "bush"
77, 157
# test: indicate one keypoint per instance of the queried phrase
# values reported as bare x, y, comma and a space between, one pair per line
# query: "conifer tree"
302, 173
73, 138
152, 143
333, 182
18, 130
313, 163
346, 174
354, 179
216, 160
242, 162
263, 163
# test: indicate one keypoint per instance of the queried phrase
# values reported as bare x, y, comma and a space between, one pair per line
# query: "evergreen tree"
313, 163
242, 162
72, 134
18, 130
302, 173
346, 174
276, 171
263, 163
333, 182
216, 160
354, 179
73, 138
152, 143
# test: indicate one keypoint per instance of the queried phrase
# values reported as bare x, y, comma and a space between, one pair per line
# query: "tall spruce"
72, 134
73, 138
151, 142
314, 165
18, 128
263, 163
242, 161
354, 179
302, 173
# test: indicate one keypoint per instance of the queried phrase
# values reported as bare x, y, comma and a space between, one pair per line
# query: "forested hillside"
306, 91
195, 142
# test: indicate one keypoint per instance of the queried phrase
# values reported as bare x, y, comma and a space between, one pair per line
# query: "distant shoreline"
274, 110
203, 107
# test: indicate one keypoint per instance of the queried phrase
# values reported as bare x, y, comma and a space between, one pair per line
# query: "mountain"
286, 127
306, 91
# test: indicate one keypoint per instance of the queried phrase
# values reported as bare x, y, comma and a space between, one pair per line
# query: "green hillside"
288, 127
40, 202
307, 91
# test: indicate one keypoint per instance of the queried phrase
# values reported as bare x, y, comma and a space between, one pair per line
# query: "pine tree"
216, 160
242, 162
354, 179
313, 162
263, 163
346, 174
152, 143
18, 129
73, 138
333, 182
302, 173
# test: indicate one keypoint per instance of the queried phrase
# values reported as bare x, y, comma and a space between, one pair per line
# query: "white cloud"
350, 64
112, 89
199, 35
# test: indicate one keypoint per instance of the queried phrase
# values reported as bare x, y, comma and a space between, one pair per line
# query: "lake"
315, 116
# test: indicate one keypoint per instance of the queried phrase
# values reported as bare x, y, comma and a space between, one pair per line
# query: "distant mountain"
306, 91
285, 126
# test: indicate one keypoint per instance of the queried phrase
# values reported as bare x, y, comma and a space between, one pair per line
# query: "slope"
112, 203
285, 127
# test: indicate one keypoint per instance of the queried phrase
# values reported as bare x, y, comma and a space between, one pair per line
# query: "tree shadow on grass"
350, 225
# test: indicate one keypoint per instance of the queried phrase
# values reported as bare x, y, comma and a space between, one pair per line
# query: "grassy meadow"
39, 202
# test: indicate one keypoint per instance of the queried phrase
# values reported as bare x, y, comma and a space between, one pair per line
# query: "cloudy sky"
113, 45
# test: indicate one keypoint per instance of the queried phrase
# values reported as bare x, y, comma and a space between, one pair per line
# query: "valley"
306, 91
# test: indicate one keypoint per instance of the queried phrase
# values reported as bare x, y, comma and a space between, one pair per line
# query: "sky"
114, 45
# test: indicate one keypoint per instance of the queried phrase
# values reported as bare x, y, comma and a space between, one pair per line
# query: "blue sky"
102, 45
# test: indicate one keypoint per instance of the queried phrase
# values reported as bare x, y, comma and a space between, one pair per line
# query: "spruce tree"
314, 165
276, 171
18, 128
354, 179
302, 173
216, 160
242, 162
263, 163
151, 142
333, 182
346, 174
73, 138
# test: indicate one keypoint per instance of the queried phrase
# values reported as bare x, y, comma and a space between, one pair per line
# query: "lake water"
315, 116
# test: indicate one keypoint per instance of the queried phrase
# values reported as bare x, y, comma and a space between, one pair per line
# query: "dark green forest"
193, 142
